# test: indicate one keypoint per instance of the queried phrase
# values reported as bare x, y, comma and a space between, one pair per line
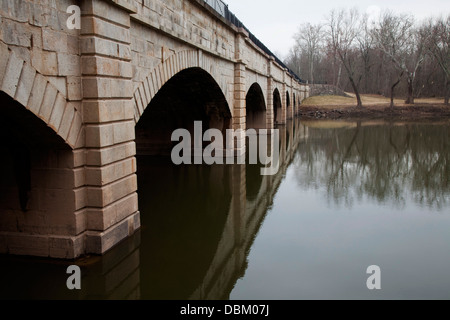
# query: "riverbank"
374, 107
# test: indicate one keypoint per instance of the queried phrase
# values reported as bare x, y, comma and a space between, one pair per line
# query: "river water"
348, 195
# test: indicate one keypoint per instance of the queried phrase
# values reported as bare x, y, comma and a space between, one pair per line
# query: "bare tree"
343, 28
415, 56
309, 39
366, 42
438, 44
391, 36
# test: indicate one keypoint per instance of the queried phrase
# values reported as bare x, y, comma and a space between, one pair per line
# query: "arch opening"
191, 95
277, 106
36, 192
255, 108
295, 104
289, 112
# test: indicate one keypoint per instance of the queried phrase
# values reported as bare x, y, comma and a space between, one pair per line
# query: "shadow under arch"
29, 166
277, 106
256, 109
191, 95
181, 209
288, 104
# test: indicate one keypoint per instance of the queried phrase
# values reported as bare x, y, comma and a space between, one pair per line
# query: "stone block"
92, 44
99, 176
25, 84
37, 93
45, 62
14, 33
124, 131
103, 219
80, 221
66, 247
79, 158
61, 247
103, 196
100, 66
59, 83
80, 198
108, 12
69, 64
58, 112
98, 136
100, 242
54, 40
97, 26
4, 57
121, 88
12, 75
79, 177
75, 129
66, 121
73, 84
47, 103
27, 244
107, 111
104, 156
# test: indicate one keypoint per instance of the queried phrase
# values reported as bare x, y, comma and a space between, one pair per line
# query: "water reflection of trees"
389, 163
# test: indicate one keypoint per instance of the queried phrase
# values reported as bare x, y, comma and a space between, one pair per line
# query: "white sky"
275, 22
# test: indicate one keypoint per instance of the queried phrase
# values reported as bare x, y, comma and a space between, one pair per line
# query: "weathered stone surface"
25, 84
46, 108
12, 75
69, 64
58, 112
37, 93
73, 88
66, 121
45, 62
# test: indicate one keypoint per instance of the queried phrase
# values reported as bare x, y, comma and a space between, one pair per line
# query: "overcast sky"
275, 22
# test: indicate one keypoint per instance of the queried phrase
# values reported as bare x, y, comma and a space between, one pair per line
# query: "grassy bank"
374, 106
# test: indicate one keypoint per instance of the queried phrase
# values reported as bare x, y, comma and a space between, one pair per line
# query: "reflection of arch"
184, 216
255, 107
32, 90
165, 71
190, 95
277, 105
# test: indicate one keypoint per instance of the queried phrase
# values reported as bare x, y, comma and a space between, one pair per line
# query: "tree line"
393, 56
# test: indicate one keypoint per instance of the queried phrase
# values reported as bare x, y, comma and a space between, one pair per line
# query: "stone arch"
192, 95
177, 62
256, 107
277, 106
23, 83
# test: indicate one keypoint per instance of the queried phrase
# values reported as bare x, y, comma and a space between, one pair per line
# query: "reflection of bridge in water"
245, 219
122, 272
136, 269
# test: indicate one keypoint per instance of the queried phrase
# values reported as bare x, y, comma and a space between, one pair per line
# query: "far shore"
374, 106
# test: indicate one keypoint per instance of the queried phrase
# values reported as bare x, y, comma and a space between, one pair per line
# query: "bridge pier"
111, 183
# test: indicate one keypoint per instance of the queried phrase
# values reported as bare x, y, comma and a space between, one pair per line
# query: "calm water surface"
348, 195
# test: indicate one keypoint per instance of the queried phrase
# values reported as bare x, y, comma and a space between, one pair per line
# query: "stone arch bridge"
78, 105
